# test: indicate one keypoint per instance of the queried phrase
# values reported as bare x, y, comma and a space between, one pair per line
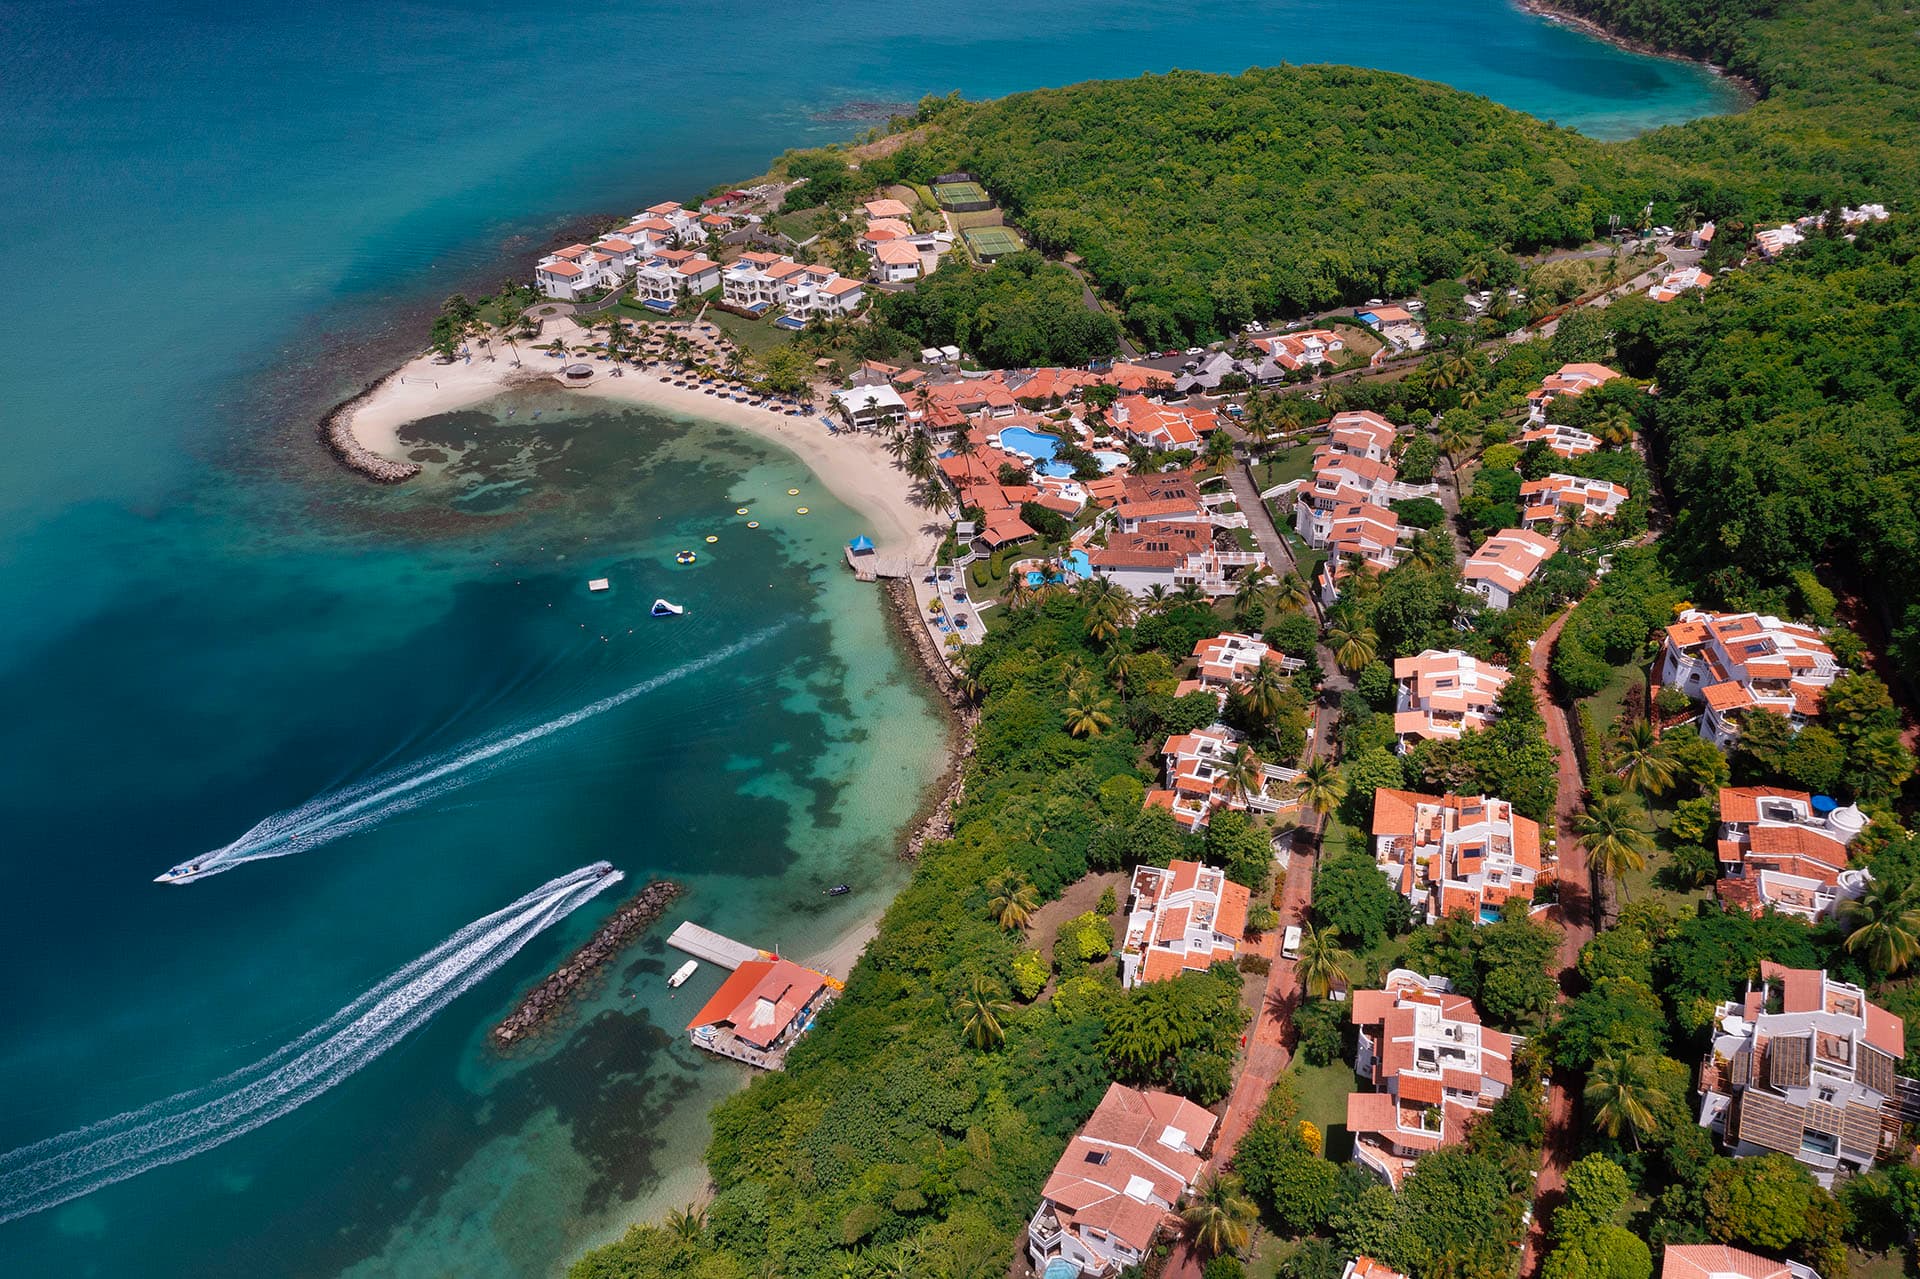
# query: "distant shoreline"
1749, 91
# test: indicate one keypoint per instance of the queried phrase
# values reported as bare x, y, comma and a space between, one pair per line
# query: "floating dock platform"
704, 943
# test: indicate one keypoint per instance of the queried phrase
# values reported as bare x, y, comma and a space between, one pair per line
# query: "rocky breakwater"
336, 432
553, 995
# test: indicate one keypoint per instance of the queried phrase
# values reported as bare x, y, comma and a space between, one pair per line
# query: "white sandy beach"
853, 466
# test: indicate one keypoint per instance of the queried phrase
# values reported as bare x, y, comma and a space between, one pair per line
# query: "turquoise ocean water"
219, 218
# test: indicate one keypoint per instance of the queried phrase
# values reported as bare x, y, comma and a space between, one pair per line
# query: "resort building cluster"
1345, 509
1455, 854
1181, 919
1443, 693
1737, 663
1786, 850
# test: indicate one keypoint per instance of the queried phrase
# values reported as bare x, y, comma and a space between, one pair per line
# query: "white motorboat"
685, 971
184, 873
666, 608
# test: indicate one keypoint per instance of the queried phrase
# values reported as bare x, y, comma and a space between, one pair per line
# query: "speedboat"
665, 608
184, 873
840, 890
685, 971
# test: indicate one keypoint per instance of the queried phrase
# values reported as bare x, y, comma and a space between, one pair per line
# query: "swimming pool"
1018, 439
1110, 461
1063, 470
1075, 562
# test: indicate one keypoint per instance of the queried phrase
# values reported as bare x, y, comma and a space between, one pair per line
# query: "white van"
1290, 942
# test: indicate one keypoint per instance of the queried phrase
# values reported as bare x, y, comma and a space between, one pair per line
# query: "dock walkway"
704, 943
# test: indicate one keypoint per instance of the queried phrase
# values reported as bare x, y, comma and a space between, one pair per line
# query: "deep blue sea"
217, 219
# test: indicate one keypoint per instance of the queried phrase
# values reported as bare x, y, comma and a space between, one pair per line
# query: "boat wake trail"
340, 813
51, 1172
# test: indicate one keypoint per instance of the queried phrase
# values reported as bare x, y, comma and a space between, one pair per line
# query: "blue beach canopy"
861, 543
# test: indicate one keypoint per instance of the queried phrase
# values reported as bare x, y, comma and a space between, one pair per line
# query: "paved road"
1574, 915
1093, 304
1259, 519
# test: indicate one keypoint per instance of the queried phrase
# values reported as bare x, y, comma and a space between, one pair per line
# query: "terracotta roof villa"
1117, 1183
1171, 554
1433, 1067
1571, 380
1181, 919
1805, 1066
1455, 854
759, 1011
1564, 441
1505, 563
1719, 1261
1547, 501
1228, 659
1444, 693
1786, 850
1365, 1267
1735, 662
1197, 785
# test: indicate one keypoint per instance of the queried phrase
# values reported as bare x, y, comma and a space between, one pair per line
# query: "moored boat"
666, 608
685, 971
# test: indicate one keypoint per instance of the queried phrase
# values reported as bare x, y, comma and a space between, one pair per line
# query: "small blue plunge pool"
1041, 448
1076, 562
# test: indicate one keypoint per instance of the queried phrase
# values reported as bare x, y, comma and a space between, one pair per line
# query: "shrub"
1029, 974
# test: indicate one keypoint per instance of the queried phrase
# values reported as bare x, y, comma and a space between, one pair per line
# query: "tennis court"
962, 196
989, 243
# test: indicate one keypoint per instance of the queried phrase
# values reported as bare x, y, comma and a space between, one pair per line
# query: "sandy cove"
854, 466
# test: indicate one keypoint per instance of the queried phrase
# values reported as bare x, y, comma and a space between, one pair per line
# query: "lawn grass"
755, 337
1294, 463
1322, 1093
801, 224
1876, 1265
1361, 341
1605, 706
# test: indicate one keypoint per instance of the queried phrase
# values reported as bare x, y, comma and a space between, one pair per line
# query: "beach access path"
853, 465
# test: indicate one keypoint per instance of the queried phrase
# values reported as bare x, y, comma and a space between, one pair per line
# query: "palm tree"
1353, 642
1190, 594
1644, 760
1334, 400
963, 444
1010, 900
1321, 786
982, 1007
1244, 774
1620, 1094
1324, 963
1219, 1219
1885, 924
1265, 690
1616, 427
1157, 598
1455, 438
1288, 594
1020, 591
686, 1224
1252, 590
939, 498
1087, 713
1614, 831
1431, 550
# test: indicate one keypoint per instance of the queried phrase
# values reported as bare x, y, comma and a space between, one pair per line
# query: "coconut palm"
1190, 594
981, 1007
1321, 786
1884, 926
1244, 774
1616, 426
1431, 550
1354, 643
1621, 1095
1324, 963
1455, 438
1020, 591
686, 1224
1087, 713
1252, 590
1156, 599
963, 444
1011, 900
1120, 669
1644, 760
1614, 830
1265, 691
1108, 617
1219, 1219
1334, 400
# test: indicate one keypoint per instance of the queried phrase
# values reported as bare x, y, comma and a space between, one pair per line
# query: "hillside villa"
1736, 662
1503, 565
1564, 441
1181, 919
1786, 850
1309, 348
1196, 768
1360, 537
1226, 661
1443, 694
1571, 380
1432, 1066
1455, 854
1117, 1183
1171, 555
1548, 501
1674, 283
1805, 1066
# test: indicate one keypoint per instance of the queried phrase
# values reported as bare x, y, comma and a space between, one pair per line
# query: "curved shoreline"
1750, 92
364, 432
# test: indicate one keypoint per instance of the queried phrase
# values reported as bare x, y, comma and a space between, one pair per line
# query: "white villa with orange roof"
1443, 694
1358, 433
1168, 497
1162, 426
1197, 785
575, 272
1306, 349
1720, 1261
1505, 563
1171, 554
1227, 660
1353, 468
1360, 535
1564, 441
1804, 1065
1455, 854
1118, 1182
895, 261
1735, 662
1778, 852
1571, 380
1677, 282
887, 208
760, 1010
1365, 1267
1181, 919
672, 275
1433, 1067
1548, 501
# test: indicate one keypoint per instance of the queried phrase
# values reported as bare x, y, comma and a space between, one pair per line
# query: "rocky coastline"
552, 996
1647, 48
336, 432
934, 820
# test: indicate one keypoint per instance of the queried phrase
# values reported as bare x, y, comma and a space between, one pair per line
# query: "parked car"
1196, 350
1290, 942
1375, 302
1234, 410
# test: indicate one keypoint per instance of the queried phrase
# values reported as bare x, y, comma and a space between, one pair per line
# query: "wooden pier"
869, 567
704, 943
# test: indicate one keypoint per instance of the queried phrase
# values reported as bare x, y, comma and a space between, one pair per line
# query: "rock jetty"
336, 432
557, 991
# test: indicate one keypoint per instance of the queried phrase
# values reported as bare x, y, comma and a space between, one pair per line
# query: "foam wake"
51, 1172
340, 813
